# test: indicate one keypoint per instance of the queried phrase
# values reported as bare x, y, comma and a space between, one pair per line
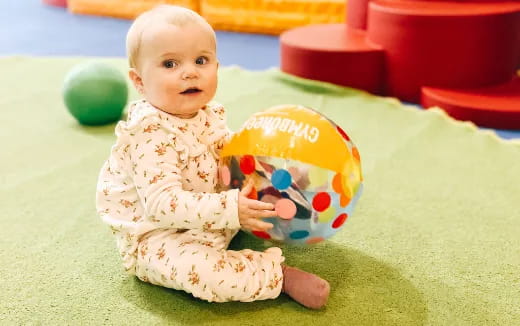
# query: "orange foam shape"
128, 9
271, 16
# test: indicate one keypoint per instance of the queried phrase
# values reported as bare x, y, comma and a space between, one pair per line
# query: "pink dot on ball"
339, 220
247, 164
225, 175
285, 208
321, 201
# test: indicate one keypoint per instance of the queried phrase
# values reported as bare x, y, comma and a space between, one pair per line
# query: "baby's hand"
250, 211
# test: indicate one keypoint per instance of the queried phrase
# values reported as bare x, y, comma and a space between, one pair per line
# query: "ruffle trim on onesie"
186, 144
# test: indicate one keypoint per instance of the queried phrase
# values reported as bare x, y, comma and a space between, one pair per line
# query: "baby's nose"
190, 72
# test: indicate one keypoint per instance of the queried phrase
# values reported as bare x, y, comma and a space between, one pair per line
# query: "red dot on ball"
339, 220
247, 164
343, 133
262, 234
253, 194
321, 201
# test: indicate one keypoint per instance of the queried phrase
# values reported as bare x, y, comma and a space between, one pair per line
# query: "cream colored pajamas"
157, 193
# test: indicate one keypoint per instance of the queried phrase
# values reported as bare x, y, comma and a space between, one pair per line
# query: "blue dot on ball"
281, 179
300, 234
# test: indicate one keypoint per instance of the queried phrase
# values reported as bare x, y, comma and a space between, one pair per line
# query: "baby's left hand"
250, 211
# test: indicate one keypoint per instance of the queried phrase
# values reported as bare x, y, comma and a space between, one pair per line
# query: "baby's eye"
201, 60
169, 64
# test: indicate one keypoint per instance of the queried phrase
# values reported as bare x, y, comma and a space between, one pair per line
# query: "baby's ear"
136, 80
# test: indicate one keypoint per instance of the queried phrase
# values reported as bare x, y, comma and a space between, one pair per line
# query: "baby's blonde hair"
169, 14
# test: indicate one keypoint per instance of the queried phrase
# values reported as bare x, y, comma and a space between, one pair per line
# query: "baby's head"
173, 61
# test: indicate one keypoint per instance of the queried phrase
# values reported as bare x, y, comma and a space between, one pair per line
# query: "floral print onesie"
157, 192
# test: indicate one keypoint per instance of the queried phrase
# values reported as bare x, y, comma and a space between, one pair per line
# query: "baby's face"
178, 67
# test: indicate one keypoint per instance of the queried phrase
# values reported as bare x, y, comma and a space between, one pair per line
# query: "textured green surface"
434, 239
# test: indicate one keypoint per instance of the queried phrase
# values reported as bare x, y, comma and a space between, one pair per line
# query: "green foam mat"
434, 239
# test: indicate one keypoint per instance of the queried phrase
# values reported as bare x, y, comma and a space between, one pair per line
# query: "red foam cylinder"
332, 53
495, 106
445, 44
357, 13
57, 3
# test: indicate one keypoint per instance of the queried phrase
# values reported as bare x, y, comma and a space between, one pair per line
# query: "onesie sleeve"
156, 157
223, 134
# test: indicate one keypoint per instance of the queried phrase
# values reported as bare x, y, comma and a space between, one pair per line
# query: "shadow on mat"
363, 291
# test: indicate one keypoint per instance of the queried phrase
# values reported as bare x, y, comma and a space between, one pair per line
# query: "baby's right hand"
250, 211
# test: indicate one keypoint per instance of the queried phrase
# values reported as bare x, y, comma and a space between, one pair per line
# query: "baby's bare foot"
306, 288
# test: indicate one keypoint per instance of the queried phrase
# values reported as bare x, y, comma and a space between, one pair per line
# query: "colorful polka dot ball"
304, 164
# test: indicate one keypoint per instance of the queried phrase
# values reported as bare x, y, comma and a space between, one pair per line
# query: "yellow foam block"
128, 9
271, 16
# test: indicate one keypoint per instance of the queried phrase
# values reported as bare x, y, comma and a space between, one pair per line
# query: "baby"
157, 190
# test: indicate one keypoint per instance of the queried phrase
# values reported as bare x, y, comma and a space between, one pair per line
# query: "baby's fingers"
259, 205
258, 225
265, 213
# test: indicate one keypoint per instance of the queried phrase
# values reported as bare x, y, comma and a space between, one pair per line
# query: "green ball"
95, 93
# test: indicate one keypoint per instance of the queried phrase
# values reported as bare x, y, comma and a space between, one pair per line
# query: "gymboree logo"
270, 124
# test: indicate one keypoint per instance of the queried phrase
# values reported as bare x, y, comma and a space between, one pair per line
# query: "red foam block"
333, 53
496, 106
58, 3
357, 13
445, 44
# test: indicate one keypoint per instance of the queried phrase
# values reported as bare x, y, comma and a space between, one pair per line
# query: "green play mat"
434, 239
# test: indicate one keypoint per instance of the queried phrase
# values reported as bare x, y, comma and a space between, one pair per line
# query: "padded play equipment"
128, 9
333, 53
461, 56
255, 16
495, 106
270, 16
57, 3
445, 44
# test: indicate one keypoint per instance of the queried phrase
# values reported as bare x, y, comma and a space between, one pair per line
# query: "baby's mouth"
191, 90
